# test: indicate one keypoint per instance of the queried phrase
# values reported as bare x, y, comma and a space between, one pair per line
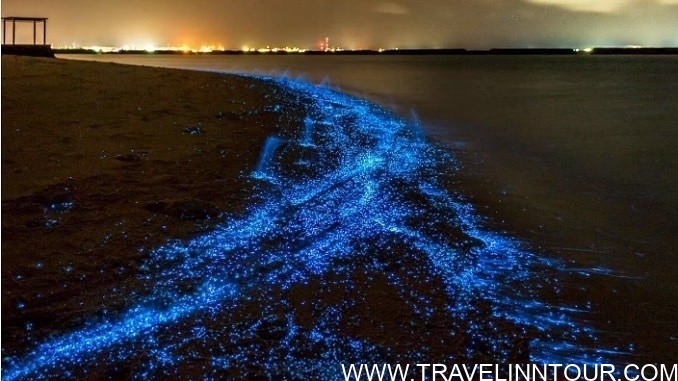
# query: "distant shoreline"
47, 51
450, 52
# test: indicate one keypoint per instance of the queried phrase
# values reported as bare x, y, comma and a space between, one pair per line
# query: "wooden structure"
35, 49
34, 20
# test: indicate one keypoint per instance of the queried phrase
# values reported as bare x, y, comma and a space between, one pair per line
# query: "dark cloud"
357, 23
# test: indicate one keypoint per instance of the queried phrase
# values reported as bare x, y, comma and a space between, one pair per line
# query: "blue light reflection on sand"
354, 176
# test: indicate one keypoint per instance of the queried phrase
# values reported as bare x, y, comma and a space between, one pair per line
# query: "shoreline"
103, 162
65, 205
93, 310
395, 52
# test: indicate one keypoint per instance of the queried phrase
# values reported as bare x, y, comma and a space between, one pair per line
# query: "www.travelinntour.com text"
511, 372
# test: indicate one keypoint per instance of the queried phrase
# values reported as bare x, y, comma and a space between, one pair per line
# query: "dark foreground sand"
101, 162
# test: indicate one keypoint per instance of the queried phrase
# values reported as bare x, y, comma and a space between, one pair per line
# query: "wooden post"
34, 20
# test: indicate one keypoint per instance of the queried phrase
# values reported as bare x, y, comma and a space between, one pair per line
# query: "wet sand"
102, 162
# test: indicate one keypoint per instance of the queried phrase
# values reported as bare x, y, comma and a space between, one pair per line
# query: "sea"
577, 156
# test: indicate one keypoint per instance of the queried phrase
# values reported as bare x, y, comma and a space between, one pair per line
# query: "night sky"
355, 24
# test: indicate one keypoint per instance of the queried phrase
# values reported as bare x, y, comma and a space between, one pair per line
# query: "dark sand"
101, 162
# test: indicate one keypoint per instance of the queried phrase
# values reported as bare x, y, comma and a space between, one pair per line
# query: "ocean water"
576, 156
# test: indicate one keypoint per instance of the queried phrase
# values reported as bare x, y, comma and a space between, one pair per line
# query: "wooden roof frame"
20, 19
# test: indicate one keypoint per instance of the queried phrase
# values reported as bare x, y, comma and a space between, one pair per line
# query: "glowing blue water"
267, 155
372, 196
307, 137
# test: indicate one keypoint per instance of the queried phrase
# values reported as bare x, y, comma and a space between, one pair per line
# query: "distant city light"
182, 48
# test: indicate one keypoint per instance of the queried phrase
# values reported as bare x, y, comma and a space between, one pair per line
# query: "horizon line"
393, 51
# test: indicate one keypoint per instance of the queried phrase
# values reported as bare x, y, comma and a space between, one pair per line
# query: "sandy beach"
177, 224
101, 162
138, 243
